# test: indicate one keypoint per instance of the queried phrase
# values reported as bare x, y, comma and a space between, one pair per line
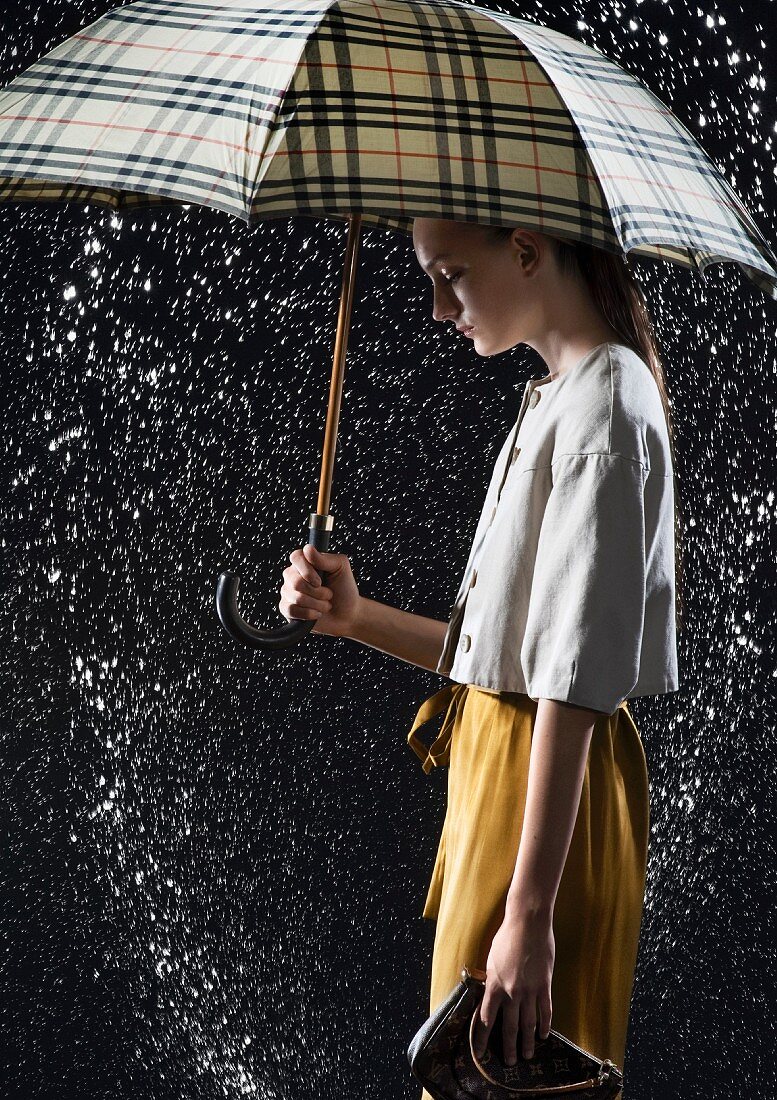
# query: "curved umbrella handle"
282, 636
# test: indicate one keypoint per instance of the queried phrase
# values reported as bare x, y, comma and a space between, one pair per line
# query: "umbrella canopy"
390, 108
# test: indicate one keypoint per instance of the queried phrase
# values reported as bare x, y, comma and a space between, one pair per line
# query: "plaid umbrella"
375, 112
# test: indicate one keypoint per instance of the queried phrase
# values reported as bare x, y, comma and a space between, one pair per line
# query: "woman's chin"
483, 345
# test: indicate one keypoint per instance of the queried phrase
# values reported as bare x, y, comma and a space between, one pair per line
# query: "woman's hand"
335, 605
519, 970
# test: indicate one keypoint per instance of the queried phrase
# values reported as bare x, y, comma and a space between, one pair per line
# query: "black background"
258, 872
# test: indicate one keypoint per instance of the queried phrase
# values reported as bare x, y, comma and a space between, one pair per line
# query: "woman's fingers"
299, 602
303, 593
546, 1014
483, 1023
510, 1017
528, 1025
318, 593
303, 567
517, 1019
292, 575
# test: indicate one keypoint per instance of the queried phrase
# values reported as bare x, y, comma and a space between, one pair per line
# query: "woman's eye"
453, 278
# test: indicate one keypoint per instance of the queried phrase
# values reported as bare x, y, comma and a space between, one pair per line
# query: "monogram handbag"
442, 1059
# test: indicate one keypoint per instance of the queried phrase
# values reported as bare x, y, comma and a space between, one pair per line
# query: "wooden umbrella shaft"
338, 364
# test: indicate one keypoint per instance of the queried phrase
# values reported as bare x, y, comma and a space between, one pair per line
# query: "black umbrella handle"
282, 636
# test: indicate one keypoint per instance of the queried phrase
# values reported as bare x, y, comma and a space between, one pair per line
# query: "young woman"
567, 607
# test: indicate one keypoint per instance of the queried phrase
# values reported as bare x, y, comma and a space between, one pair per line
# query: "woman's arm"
413, 638
520, 962
560, 742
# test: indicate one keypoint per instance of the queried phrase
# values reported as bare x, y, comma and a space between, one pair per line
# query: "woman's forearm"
413, 638
560, 742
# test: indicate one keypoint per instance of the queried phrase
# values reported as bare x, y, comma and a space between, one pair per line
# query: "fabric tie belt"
439, 752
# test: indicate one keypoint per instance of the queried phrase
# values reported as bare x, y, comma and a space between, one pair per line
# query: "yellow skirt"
486, 741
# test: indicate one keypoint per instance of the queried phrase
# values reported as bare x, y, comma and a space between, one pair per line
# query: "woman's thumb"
324, 561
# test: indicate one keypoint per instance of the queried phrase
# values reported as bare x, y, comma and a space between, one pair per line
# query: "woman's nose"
444, 309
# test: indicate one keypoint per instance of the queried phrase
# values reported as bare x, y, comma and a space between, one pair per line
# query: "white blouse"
569, 589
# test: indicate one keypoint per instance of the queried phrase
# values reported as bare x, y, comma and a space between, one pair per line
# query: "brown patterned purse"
442, 1059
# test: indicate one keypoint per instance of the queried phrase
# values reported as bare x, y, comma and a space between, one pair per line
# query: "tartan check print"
393, 109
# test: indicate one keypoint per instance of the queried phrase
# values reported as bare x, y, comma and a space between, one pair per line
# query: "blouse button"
465, 642
534, 398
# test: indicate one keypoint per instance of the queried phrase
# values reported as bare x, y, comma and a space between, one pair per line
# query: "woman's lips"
467, 331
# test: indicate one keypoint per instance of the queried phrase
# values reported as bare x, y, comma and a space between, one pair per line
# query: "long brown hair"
622, 302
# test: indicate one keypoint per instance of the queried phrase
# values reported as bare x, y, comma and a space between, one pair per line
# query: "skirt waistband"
450, 697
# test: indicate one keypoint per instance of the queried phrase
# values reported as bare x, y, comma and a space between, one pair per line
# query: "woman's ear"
526, 256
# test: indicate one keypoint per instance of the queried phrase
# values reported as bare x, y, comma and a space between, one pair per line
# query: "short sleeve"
583, 634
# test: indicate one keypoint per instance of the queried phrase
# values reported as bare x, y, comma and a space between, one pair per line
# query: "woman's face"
494, 286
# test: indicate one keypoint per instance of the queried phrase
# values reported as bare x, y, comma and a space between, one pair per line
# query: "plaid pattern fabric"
390, 108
